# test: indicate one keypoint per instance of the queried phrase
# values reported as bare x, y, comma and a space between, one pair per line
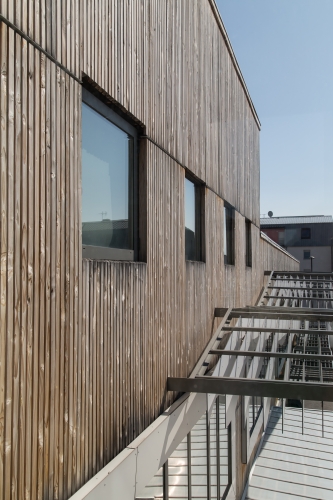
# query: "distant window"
248, 244
109, 145
229, 234
306, 254
193, 220
305, 233
281, 237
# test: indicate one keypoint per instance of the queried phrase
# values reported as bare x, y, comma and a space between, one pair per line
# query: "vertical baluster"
166, 481
189, 468
208, 455
218, 468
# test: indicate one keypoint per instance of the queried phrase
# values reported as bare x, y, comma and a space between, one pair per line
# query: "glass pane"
213, 455
190, 234
224, 452
106, 157
248, 243
225, 233
178, 475
199, 459
229, 235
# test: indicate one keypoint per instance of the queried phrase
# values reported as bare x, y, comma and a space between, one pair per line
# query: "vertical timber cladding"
52, 24
167, 63
40, 273
86, 346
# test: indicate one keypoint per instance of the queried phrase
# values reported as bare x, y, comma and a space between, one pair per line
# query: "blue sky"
284, 49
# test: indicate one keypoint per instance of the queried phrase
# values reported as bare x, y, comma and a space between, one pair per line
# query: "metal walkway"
292, 464
282, 348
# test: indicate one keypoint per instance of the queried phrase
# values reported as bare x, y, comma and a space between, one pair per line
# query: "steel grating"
285, 343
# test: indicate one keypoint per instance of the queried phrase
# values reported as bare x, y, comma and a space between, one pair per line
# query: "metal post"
166, 481
229, 457
322, 418
218, 468
302, 416
208, 456
305, 339
189, 470
311, 258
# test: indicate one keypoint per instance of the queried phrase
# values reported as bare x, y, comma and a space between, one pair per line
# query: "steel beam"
255, 387
249, 329
286, 297
262, 310
307, 280
306, 289
268, 354
315, 315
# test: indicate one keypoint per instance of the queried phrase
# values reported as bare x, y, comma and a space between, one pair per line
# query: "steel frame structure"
285, 343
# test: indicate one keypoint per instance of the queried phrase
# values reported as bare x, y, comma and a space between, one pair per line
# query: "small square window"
306, 254
248, 244
194, 232
229, 234
305, 233
109, 169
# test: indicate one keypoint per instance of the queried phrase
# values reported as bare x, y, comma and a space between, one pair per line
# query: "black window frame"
110, 253
248, 243
306, 252
229, 234
199, 202
305, 233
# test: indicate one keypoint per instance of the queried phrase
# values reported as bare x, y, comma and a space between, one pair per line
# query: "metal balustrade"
200, 467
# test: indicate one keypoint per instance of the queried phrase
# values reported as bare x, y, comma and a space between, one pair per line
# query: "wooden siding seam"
193, 175
38, 47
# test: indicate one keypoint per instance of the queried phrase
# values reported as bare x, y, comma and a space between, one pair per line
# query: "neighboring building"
304, 237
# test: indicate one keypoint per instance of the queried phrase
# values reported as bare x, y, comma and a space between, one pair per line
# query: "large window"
229, 234
109, 152
194, 231
248, 244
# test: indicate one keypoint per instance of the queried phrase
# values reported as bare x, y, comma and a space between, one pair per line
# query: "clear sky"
285, 51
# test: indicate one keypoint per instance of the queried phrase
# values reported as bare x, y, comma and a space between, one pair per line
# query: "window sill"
195, 261
114, 261
104, 253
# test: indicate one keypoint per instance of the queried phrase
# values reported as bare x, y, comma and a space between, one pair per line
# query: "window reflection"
106, 168
193, 220
190, 234
229, 235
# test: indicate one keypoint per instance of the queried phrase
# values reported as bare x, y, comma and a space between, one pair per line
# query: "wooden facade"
86, 346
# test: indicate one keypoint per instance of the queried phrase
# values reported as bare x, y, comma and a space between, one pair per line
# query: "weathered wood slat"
28, 423
4, 169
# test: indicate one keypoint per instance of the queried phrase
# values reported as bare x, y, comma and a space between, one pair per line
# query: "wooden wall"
167, 63
86, 346
40, 269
